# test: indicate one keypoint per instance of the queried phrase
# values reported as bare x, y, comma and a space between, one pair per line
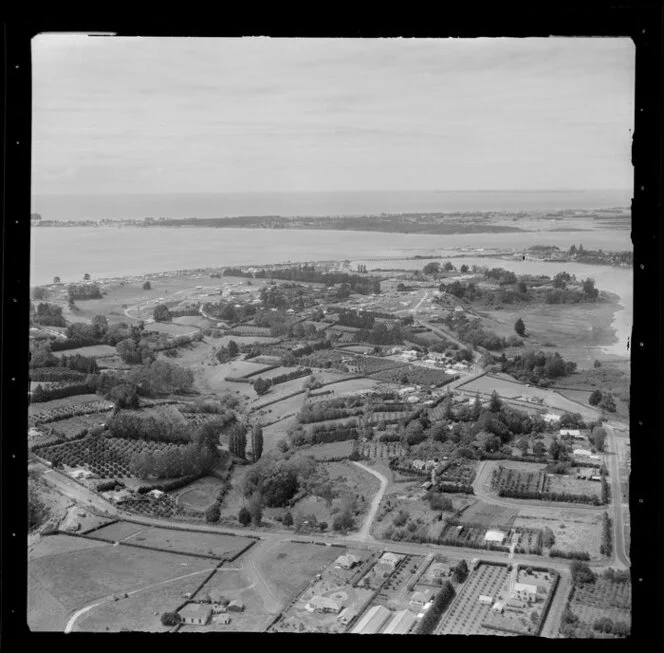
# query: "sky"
199, 115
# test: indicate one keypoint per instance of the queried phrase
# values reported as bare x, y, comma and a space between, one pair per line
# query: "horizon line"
291, 192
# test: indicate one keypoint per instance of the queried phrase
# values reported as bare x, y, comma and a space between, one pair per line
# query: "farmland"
572, 530
323, 452
604, 599
511, 389
75, 427
466, 615
105, 457
529, 481
58, 409
137, 612
200, 494
212, 545
290, 566
80, 576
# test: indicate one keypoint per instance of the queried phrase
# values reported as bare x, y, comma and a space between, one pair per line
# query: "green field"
290, 566
79, 577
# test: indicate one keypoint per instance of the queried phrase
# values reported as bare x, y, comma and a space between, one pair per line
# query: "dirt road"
364, 533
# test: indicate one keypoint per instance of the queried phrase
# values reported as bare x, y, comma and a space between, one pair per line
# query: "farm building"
498, 606
120, 496
418, 600
582, 452
496, 537
372, 621
401, 623
574, 433
235, 606
418, 464
322, 604
550, 418
487, 600
223, 619
157, 494
196, 614
347, 561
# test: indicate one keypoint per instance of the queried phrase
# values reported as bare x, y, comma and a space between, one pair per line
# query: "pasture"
82, 576
200, 494
137, 611
213, 545
507, 389
573, 530
289, 567
489, 516
330, 450
118, 531
93, 351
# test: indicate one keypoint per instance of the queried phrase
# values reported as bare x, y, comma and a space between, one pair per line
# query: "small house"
347, 561
573, 433
346, 616
322, 604
157, 494
196, 614
582, 452
524, 591
419, 600
418, 464
439, 569
391, 559
485, 600
235, 606
223, 619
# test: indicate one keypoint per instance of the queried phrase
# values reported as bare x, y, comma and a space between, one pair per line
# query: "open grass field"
54, 545
275, 432
137, 612
359, 481
200, 494
215, 545
118, 531
96, 351
573, 530
79, 577
193, 321
290, 567
171, 329
511, 389
330, 450
489, 516
576, 331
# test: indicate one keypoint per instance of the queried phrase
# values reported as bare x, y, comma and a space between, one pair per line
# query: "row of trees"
534, 366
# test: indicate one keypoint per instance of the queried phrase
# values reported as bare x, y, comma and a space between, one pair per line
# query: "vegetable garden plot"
75, 427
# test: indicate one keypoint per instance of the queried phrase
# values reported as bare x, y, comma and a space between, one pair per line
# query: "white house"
551, 417
582, 452
322, 604
157, 494
495, 537
486, 600
347, 561
524, 591
196, 614
574, 433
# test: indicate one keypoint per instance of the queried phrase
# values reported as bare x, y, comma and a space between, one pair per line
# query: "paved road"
364, 533
619, 551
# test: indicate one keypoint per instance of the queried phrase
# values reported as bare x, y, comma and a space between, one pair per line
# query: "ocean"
218, 205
